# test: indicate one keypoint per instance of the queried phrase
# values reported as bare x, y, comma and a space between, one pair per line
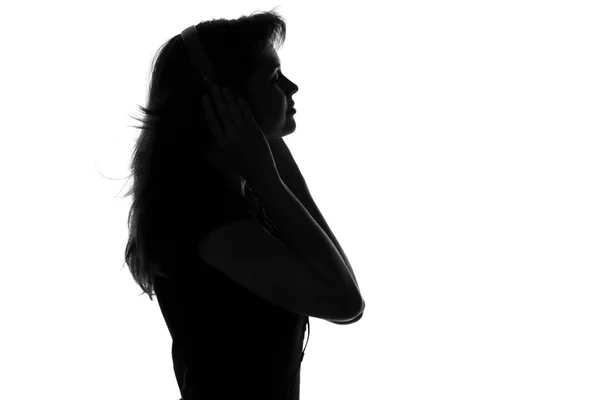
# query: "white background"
453, 147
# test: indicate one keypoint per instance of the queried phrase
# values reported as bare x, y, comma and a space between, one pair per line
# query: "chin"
287, 128
279, 135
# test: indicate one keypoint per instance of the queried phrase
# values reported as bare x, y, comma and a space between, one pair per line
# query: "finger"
234, 109
224, 114
213, 122
246, 113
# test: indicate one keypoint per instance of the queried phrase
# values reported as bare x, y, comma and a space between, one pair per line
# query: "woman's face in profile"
269, 95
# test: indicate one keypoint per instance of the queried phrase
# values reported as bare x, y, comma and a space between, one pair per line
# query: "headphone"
203, 67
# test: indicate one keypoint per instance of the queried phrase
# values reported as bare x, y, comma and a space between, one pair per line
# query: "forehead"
269, 60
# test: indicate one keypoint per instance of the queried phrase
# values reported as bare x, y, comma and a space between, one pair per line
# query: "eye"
275, 80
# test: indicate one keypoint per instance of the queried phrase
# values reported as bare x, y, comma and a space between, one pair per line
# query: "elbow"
353, 320
355, 316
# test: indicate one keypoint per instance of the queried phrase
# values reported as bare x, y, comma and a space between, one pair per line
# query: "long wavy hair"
172, 182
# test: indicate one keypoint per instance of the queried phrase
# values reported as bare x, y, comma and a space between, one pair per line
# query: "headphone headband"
195, 49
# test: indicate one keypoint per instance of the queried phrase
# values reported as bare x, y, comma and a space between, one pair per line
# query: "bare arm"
292, 177
302, 233
303, 194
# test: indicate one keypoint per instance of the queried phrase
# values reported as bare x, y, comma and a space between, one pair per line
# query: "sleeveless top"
227, 342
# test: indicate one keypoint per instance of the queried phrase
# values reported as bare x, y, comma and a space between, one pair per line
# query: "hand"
286, 165
238, 135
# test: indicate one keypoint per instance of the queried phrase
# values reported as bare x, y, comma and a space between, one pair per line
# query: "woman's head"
270, 91
269, 94
172, 181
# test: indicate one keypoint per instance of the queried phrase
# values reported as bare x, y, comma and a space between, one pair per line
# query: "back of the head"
172, 180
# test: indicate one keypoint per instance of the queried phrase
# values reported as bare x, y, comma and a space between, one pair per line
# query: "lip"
291, 110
